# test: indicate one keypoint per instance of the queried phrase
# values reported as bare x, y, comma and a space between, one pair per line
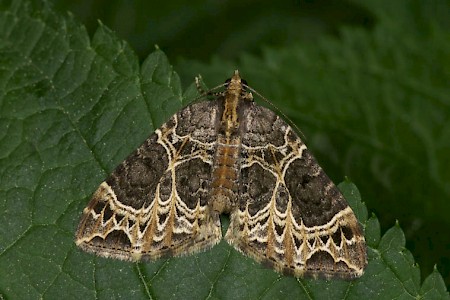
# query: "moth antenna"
278, 110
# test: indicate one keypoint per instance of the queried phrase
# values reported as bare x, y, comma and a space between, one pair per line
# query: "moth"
226, 156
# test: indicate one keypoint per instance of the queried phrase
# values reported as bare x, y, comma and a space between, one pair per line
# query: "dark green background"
212, 37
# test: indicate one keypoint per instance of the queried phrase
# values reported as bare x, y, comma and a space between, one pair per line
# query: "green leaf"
72, 108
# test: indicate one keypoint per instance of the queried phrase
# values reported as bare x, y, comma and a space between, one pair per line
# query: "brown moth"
230, 156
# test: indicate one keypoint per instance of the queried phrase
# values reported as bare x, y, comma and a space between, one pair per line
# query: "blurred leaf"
184, 29
72, 109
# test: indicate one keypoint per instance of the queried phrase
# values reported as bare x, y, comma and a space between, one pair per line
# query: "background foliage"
367, 83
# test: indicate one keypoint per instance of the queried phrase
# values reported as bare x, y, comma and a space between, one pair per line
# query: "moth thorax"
225, 175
